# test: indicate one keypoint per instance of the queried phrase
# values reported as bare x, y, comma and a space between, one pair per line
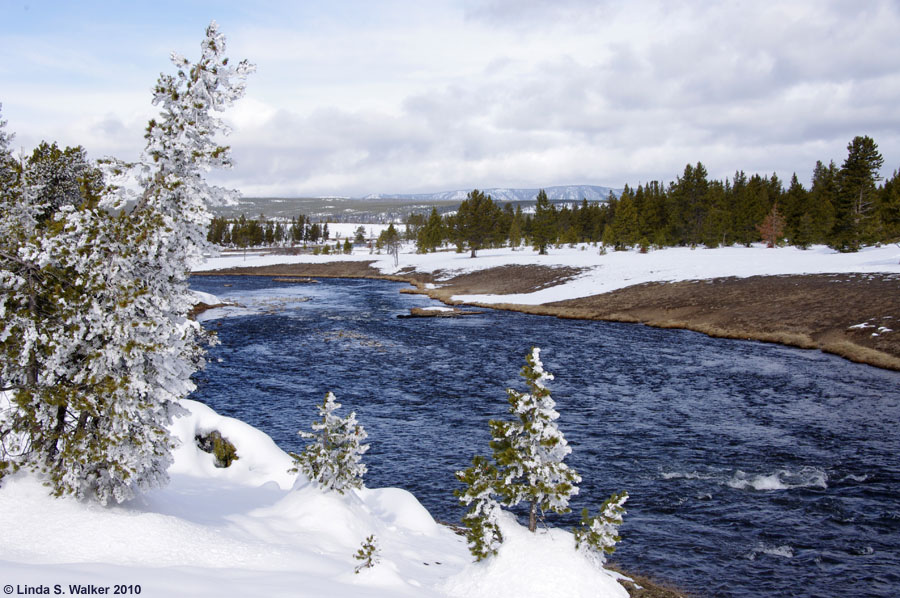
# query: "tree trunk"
473, 252
58, 430
32, 372
532, 517
82, 422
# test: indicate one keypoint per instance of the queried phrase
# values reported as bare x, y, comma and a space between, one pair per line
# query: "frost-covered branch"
596, 537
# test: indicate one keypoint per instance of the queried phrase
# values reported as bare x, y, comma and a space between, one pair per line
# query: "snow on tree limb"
596, 537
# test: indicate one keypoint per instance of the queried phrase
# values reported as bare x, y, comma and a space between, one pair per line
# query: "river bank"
852, 315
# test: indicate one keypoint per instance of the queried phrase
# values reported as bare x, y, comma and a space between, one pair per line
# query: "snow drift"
254, 529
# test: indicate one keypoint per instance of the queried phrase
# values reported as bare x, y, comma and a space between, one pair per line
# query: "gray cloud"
405, 98
531, 13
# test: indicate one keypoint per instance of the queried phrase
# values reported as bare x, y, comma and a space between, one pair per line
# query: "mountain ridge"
557, 192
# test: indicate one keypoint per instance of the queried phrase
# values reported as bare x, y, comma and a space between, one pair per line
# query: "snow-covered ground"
614, 270
253, 529
343, 230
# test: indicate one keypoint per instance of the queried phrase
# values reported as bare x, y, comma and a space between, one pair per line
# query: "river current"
753, 469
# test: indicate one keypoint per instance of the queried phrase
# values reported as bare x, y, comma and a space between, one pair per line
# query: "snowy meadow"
601, 272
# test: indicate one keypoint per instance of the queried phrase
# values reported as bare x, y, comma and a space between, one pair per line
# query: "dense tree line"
845, 208
249, 232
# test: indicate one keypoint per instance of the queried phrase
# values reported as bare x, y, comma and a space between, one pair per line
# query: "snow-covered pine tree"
75, 416
159, 347
368, 555
529, 450
596, 537
8, 177
482, 531
16, 218
96, 340
182, 145
89, 420
334, 459
172, 214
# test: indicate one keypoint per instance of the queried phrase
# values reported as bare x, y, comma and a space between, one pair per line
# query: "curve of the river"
753, 469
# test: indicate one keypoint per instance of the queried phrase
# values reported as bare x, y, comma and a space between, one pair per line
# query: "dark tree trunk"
532, 517
58, 430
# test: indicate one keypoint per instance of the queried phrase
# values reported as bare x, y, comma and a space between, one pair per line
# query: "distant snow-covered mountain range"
570, 192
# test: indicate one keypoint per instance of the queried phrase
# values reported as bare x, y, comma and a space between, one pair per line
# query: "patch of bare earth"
504, 280
643, 587
856, 316
820, 311
327, 270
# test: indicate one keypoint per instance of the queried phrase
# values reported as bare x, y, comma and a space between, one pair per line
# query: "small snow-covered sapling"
368, 554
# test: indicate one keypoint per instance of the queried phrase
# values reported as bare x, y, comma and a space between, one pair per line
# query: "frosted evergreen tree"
530, 449
80, 415
85, 415
13, 219
9, 187
95, 336
159, 346
334, 459
18, 209
596, 537
482, 531
527, 466
172, 213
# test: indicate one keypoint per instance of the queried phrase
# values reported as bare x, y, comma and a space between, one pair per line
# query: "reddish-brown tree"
772, 228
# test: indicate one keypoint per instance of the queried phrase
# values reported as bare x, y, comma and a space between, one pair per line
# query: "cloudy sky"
403, 96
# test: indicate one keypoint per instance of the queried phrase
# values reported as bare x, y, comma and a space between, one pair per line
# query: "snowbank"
253, 529
611, 271
249, 529
534, 564
259, 461
207, 298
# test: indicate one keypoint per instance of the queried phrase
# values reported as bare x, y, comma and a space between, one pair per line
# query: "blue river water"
753, 469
